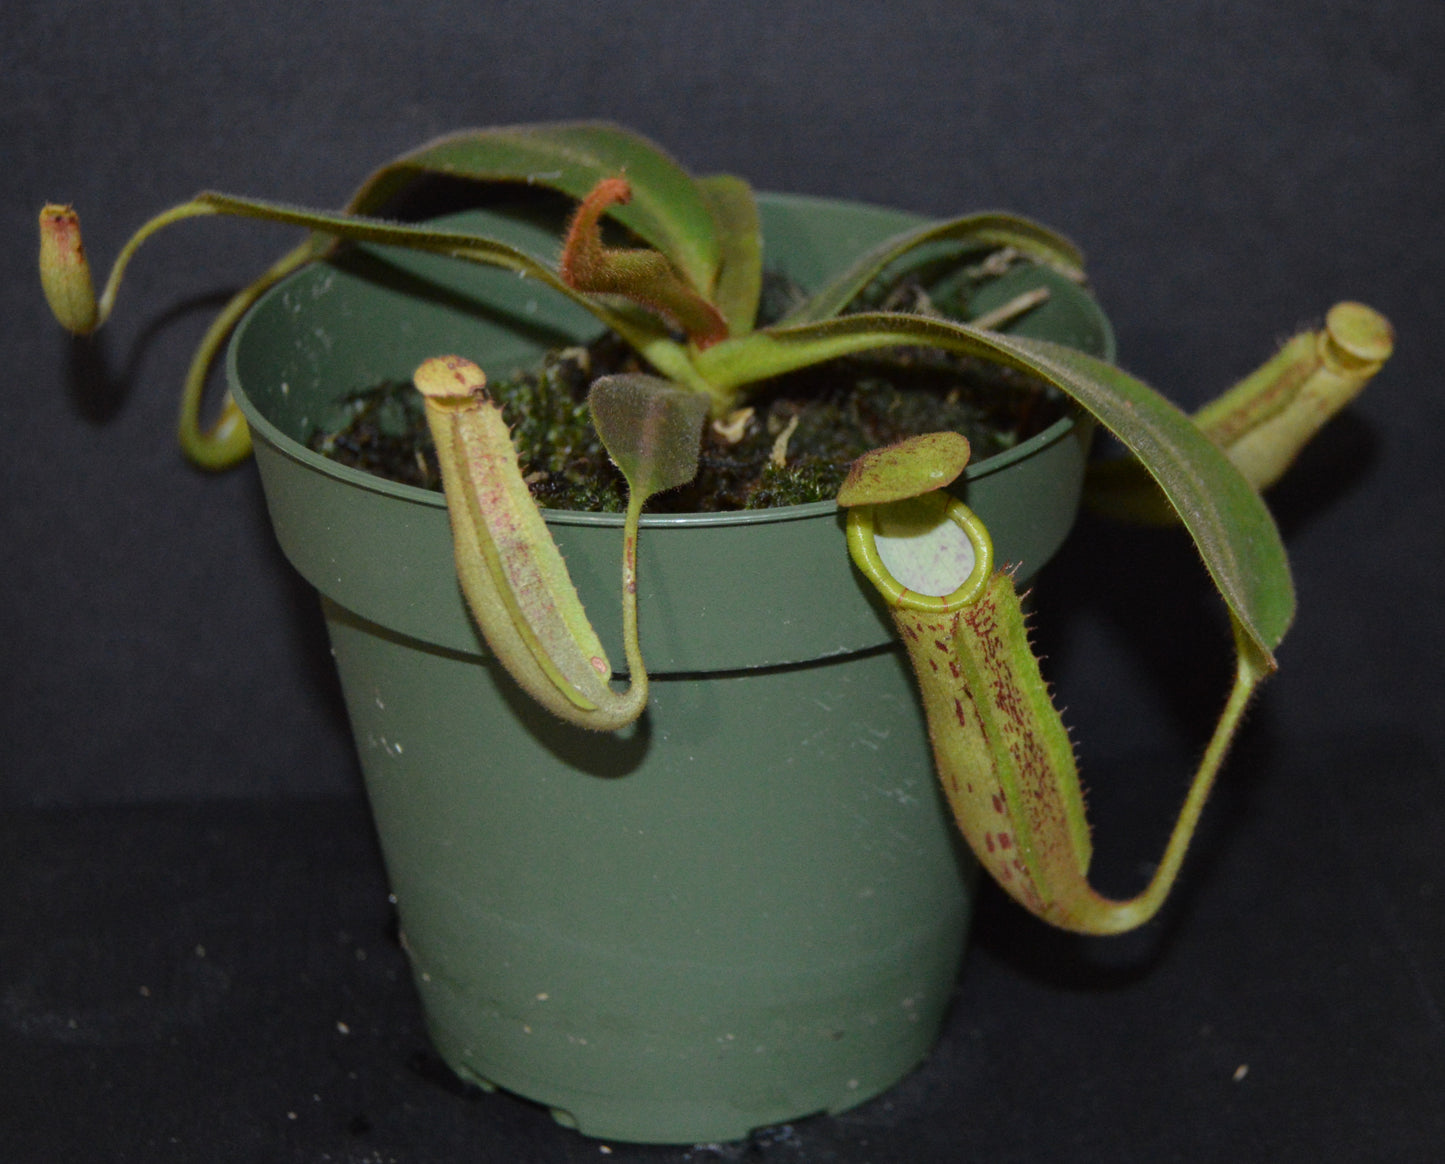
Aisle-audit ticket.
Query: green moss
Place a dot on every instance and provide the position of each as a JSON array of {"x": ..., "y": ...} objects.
[{"x": 842, "y": 409}]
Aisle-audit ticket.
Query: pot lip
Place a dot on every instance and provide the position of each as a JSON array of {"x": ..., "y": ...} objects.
[{"x": 343, "y": 474}]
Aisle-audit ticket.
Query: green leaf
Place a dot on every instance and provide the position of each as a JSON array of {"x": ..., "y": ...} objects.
[
  {"x": 1227, "y": 519},
  {"x": 644, "y": 333},
  {"x": 652, "y": 429},
  {"x": 668, "y": 211},
  {"x": 1224, "y": 513},
  {"x": 975, "y": 231},
  {"x": 358, "y": 228},
  {"x": 740, "y": 281}
]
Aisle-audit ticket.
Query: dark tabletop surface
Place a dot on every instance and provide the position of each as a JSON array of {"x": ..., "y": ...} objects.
[{"x": 221, "y": 982}]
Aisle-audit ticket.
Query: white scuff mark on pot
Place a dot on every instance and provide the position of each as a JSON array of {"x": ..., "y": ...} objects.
[
  {"x": 901, "y": 837},
  {"x": 390, "y": 747},
  {"x": 897, "y": 795},
  {"x": 285, "y": 389},
  {"x": 543, "y": 176},
  {"x": 808, "y": 740},
  {"x": 530, "y": 307}
]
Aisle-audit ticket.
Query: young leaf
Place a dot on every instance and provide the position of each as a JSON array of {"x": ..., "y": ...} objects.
[
  {"x": 740, "y": 279},
  {"x": 641, "y": 275},
  {"x": 646, "y": 335},
  {"x": 652, "y": 429},
  {"x": 667, "y": 209}
]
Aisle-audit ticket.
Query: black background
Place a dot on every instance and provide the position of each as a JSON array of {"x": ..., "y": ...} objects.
[{"x": 176, "y": 770}]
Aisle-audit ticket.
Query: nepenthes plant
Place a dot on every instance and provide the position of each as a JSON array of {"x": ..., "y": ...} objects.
[{"x": 672, "y": 263}]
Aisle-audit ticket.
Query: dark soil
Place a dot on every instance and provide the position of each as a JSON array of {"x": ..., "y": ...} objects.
[{"x": 842, "y": 409}]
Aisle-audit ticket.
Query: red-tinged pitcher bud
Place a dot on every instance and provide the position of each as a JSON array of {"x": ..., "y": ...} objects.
[{"x": 64, "y": 270}]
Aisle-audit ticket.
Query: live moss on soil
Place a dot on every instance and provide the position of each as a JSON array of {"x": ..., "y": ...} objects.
[{"x": 842, "y": 409}]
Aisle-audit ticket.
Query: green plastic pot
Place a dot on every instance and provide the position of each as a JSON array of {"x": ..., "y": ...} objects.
[{"x": 752, "y": 906}]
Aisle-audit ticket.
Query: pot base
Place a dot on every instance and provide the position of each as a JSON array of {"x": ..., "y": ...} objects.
[
  {"x": 804, "y": 1073},
  {"x": 674, "y": 943}
]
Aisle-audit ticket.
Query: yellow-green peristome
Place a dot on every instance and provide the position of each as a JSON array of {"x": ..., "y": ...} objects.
[{"x": 928, "y": 553}]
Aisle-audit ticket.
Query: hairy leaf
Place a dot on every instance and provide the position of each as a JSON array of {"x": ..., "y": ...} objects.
[
  {"x": 652, "y": 429},
  {"x": 1226, "y": 517},
  {"x": 740, "y": 279},
  {"x": 667, "y": 210},
  {"x": 640, "y": 274},
  {"x": 645, "y": 334}
]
